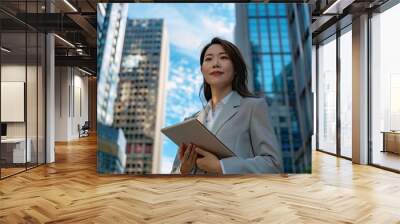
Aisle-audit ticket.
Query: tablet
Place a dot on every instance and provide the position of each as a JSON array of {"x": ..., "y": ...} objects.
[{"x": 192, "y": 131}]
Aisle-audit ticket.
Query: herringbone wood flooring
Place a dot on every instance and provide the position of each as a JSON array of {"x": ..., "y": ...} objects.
[{"x": 70, "y": 191}]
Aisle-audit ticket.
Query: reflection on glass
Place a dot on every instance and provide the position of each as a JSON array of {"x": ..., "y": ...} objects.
[
  {"x": 277, "y": 74},
  {"x": 23, "y": 85},
  {"x": 327, "y": 97},
  {"x": 345, "y": 94},
  {"x": 252, "y": 10},
  {"x": 385, "y": 84},
  {"x": 13, "y": 86},
  {"x": 394, "y": 102},
  {"x": 261, "y": 10}
]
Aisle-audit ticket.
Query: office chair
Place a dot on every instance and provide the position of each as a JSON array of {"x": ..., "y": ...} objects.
[{"x": 84, "y": 130}]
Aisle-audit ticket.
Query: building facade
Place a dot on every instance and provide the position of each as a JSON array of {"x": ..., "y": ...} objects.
[
  {"x": 111, "y": 145},
  {"x": 275, "y": 40},
  {"x": 111, "y": 23},
  {"x": 139, "y": 109},
  {"x": 111, "y": 142}
]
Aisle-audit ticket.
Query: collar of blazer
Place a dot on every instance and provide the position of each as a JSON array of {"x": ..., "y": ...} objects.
[{"x": 228, "y": 111}]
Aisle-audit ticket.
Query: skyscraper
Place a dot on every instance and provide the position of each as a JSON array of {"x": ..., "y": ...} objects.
[
  {"x": 276, "y": 42},
  {"x": 111, "y": 143},
  {"x": 139, "y": 109},
  {"x": 111, "y": 22}
]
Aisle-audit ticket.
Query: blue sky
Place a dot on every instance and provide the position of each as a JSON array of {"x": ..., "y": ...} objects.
[{"x": 189, "y": 28}]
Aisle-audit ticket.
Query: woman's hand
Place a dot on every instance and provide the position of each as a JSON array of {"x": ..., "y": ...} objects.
[
  {"x": 209, "y": 162},
  {"x": 187, "y": 156}
]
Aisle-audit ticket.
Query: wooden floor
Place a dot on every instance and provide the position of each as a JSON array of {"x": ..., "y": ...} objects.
[
  {"x": 70, "y": 191},
  {"x": 10, "y": 171}
]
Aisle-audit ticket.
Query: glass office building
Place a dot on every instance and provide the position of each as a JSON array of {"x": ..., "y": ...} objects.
[
  {"x": 139, "y": 108},
  {"x": 111, "y": 156},
  {"x": 277, "y": 47},
  {"x": 111, "y": 23}
]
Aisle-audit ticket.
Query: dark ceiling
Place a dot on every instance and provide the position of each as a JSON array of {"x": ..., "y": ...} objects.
[
  {"x": 328, "y": 16},
  {"x": 76, "y": 23}
]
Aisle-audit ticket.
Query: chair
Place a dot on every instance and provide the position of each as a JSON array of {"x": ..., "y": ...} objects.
[{"x": 84, "y": 130}]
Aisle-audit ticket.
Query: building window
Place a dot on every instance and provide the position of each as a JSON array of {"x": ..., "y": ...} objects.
[
  {"x": 346, "y": 94},
  {"x": 327, "y": 95},
  {"x": 385, "y": 88}
]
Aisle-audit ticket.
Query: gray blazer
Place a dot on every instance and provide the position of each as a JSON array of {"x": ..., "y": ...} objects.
[{"x": 245, "y": 127}]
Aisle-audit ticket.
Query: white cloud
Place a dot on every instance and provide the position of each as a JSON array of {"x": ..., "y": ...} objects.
[
  {"x": 219, "y": 6},
  {"x": 190, "y": 26},
  {"x": 228, "y": 6},
  {"x": 171, "y": 85},
  {"x": 183, "y": 90},
  {"x": 166, "y": 164},
  {"x": 217, "y": 27}
]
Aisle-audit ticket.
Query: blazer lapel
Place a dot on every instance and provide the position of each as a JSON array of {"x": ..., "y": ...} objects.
[
  {"x": 202, "y": 115},
  {"x": 227, "y": 112}
]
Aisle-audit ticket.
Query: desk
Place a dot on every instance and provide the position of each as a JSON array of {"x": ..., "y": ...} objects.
[
  {"x": 391, "y": 141},
  {"x": 13, "y": 150}
]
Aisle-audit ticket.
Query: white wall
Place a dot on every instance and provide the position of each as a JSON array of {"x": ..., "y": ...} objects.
[
  {"x": 80, "y": 94},
  {"x": 61, "y": 103},
  {"x": 16, "y": 73},
  {"x": 33, "y": 126},
  {"x": 71, "y": 94}
]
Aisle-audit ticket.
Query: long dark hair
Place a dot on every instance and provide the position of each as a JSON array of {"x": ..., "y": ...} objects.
[{"x": 239, "y": 83}]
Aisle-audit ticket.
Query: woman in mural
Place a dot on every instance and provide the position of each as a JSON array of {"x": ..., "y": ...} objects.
[{"x": 234, "y": 115}]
